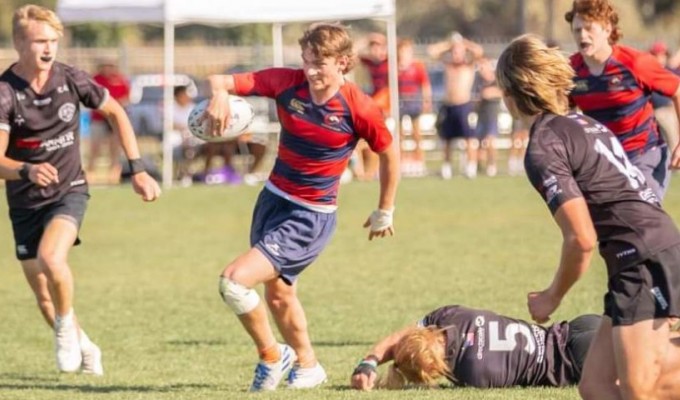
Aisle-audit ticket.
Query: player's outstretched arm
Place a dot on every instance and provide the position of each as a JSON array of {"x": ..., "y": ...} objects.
[
  {"x": 675, "y": 156},
  {"x": 578, "y": 243},
  {"x": 142, "y": 183},
  {"x": 43, "y": 174},
  {"x": 365, "y": 374},
  {"x": 381, "y": 221},
  {"x": 217, "y": 113}
]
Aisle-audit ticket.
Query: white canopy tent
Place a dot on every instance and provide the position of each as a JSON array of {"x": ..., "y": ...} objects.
[{"x": 278, "y": 12}]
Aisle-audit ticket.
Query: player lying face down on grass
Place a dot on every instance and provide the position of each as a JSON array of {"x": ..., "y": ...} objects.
[
  {"x": 322, "y": 117},
  {"x": 596, "y": 194},
  {"x": 479, "y": 348}
]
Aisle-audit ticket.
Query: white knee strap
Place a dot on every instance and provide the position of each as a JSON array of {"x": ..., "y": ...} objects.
[{"x": 238, "y": 297}]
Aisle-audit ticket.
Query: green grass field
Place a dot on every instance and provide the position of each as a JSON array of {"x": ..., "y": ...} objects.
[{"x": 146, "y": 287}]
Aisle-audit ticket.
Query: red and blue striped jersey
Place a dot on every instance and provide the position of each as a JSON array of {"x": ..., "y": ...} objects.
[
  {"x": 620, "y": 96},
  {"x": 412, "y": 79},
  {"x": 316, "y": 140}
]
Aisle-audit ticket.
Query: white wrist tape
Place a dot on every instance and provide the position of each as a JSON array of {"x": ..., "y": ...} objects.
[{"x": 381, "y": 219}]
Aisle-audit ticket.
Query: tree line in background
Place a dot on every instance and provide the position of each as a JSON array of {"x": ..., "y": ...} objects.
[{"x": 423, "y": 19}]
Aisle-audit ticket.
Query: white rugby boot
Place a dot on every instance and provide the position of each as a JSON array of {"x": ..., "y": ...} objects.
[
  {"x": 92, "y": 356},
  {"x": 67, "y": 343},
  {"x": 306, "y": 378},
  {"x": 268, "y": 375}
]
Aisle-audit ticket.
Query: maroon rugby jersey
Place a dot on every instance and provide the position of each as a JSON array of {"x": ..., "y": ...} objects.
[
  {"x": 575, "y": 156},
  {"x": 44, "y": 127},
  {"x": 487, "y": 350}
]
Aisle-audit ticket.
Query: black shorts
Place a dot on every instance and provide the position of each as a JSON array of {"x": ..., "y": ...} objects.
[
  {"x": 453, "y": 121},
  {"x": 29, "y": 224},
  {"x": 582, "y": 330},
  {"x": 645, "y": 291}
]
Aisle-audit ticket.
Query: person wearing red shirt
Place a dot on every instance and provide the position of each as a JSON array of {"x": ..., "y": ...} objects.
[
  {"x": 101, "y": 133},
  {"x": 322, "y": 117},
  {"x": 614, "y": 84}
]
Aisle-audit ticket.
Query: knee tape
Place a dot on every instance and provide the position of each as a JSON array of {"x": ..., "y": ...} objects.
[{"x": 238, "y": 297}]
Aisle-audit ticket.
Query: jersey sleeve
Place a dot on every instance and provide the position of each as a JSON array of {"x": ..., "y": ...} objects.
[
  {"x": 654, "y": 76},
  {"x": 267, "y": 82},
  {"x": 369, "y": 123},
  {"x": 549, "y": 168},
  {"x": 90, "y": 93},
  {"x": 439, "y": 317},
  {"x": 6, "y": 105},
  {"x": 423, "y": 78}
]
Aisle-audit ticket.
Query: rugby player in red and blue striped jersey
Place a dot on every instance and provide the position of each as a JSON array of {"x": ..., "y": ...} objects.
[
  {"x": 322, "y": 117},
  {"x": 614, "y": 84}
]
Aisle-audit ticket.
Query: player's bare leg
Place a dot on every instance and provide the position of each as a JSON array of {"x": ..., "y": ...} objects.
[
  {"x": 90, "y": 352},
  {"x": 598, "y": 380},
  {"x": 57, "y": 240},
  {"x": 446, "y": 164},
  {"x": 236, "y": 288},
  {"x": 641, "y": 351}
]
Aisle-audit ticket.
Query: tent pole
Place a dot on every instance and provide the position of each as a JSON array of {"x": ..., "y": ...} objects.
[
  {"x": 168, "y": 100},
  {"x": 277, "y": 41},
  {"x": 393, "y": 77}
]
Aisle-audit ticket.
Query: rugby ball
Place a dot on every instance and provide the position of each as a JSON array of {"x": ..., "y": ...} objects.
[{"x": 241, "y": 117}]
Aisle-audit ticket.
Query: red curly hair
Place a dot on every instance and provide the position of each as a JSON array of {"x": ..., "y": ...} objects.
[{"x": 596, "y": 11}]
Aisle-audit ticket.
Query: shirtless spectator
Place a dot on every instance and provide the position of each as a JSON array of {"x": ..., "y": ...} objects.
[{"x": 458, "y": 56}]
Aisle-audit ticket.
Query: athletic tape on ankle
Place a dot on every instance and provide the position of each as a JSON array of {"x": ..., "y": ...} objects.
[{"x": 238, "y": 297}]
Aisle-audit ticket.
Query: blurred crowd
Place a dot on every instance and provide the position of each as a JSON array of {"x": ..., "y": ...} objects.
[{"x": 449, "y": 104}]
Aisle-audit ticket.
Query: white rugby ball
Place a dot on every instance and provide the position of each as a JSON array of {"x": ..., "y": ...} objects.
[{"x": 242, "y": 115}]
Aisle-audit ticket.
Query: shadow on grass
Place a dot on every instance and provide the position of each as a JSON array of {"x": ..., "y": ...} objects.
[
  {"x": 197, "y": 342},
  {"x": 106, "y": 389},
  {"x": 342, "y": 343}
]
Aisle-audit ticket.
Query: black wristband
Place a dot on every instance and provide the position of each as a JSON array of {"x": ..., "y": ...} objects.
[
  {"x": 24, "y": 171},
  {"x": 367, "y": 366},
  {"x": 136, "y": 166}
]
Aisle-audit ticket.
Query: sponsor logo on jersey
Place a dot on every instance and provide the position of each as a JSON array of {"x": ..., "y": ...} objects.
[
  {"x": 581, "y": 85},
  {"x": 66, "y": 112},
  {"x": 42, "y": 102},
  {"x": 626, "y": 253},
  {"x": 481, "y": 336},
  {"x": 62, "y": 89},
  {"x": 60, "y": 142},
  {"x": 297, "y": 106},
  {"x": 539, "y": 336},
  {"x": 21, "y": 96},
  {"x": 78, "y": 182}
]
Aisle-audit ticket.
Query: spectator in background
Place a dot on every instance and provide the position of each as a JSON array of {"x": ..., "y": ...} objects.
[
  {"x": 415, "y": 97},
  {"x": 101, "y": 133},
  {"x": 373, "y": 57},
  {"x": 664, "y": 111},
  {"x": 487, "y": 113},
  {"x": 519, "y": 138},
  {"x": 613, "y": 85},
  {"x": 459, "y": 56},
  {"x": 187, "y": 145}
]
